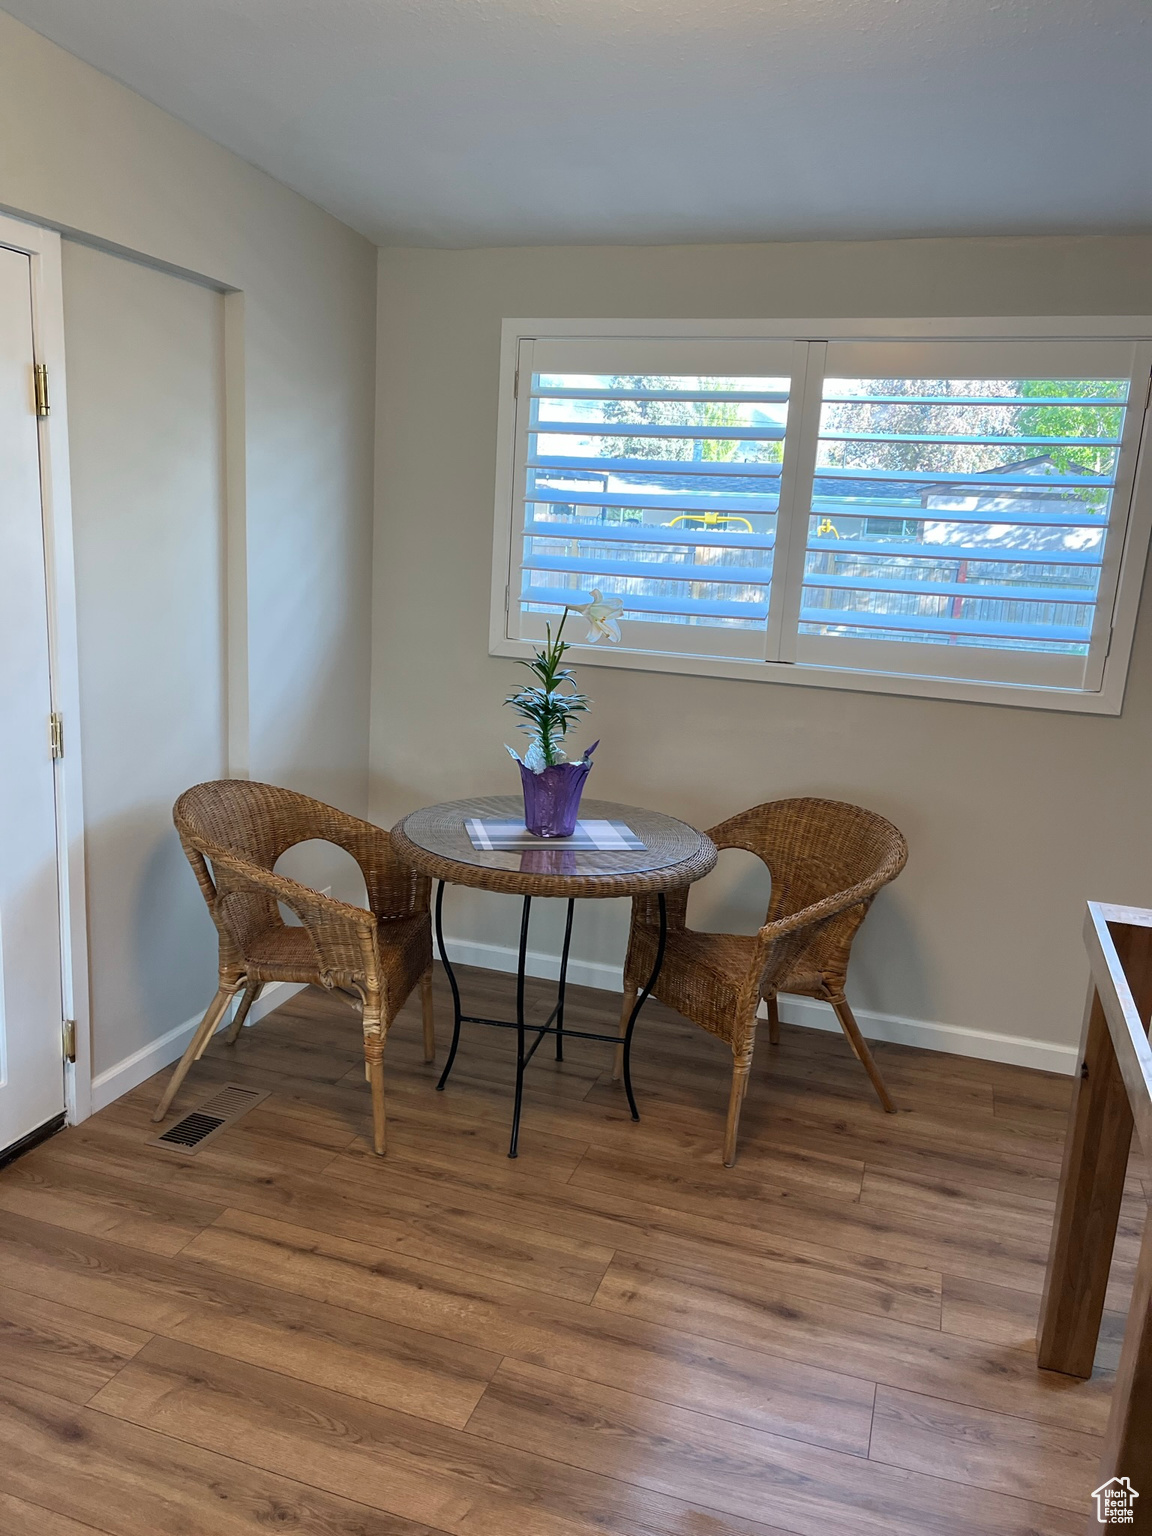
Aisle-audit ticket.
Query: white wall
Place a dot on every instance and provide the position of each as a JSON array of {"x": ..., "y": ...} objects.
[
  {"x": 145, "y": 353},
  {"x": 85, "y": 155},
  {"x": 1014, "y": 816}
]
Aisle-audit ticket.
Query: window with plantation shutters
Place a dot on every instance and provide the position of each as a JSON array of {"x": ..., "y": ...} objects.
[{"x": 945, "y": 515}]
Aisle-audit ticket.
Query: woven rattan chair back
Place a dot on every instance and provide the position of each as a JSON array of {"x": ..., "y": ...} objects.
[
  {"x": 237, "y": 823},
  {"x": 815, "y": 849},
  {"x": 234, "y": 832},
  {"x": 827, "y": 860}
]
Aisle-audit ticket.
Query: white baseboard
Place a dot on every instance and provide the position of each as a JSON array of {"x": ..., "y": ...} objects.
[
  {"x": 137, "y": 1068},
  {"x": 502, "y": 957},
  {"x": 953, "y": 1039}
]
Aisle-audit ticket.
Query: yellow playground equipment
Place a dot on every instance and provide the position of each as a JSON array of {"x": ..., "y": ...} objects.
[{"x": 710, "y": 520}]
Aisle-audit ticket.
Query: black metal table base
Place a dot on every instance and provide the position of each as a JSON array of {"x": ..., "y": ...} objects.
[{"x": 554, "y": 1023}]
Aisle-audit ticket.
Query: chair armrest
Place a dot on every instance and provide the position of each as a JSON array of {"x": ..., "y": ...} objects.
[
  {"x": 779, "y": 943},
  {"x": 343, "y": 935}
]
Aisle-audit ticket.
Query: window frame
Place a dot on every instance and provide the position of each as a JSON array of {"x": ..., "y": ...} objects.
[{"x": 1132, "y": 542}]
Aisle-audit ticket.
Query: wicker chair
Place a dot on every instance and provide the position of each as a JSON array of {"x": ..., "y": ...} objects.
[
  {"x": 827, "y": 861},
  {"x": 233, "y": 832}
]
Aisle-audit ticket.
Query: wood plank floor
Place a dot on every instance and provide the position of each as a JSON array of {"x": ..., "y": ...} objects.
[{"x": 612, "y": 1334}]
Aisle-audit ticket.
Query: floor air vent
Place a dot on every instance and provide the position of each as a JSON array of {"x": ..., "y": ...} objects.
[{"x": 216, "y": 1114}]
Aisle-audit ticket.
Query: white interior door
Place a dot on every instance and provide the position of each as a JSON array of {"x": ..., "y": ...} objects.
[{"x": 31, "y": 1053}]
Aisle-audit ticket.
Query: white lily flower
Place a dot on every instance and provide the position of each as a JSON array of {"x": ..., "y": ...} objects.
[{"x": 601, "y": 615}]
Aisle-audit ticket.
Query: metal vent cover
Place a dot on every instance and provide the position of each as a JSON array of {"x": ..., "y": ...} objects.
[{"x": 216, "y": 1114}]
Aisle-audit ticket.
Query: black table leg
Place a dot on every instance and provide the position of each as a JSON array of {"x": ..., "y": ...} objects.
[
  {"x": 448, "y": 971},
  {"x": 554, "y": 1024},
  {"x": 520, "y": 1060},
  {"x": 640, "y": 1001},
  {"x": 563, "y": 981}
]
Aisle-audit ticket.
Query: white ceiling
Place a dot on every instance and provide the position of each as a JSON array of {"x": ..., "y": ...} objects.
[{"x": 500, "y": 122}]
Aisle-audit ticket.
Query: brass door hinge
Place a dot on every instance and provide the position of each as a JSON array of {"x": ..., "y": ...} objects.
[
  {"x": 69, "y": 1037},
  {"x": 43, "y": 404},
  {"x": 56, "y": 735}
]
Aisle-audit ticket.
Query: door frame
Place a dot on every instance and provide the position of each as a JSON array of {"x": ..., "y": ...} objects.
[{"x": 42, "y": 246}]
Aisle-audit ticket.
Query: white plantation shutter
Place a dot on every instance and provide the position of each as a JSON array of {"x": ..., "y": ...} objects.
[
  {"x": 659, "y": 485},
  {"x": 952, "y": 513},
  {"x": 967, "y": 509}
]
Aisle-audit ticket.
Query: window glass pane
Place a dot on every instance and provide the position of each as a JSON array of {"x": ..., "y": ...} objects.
[
  {"x": 659, "y": 489},
  {"x": 962, "y": 511}
]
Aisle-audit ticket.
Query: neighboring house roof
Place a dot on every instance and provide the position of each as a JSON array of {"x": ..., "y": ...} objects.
[{"x": 1036, "y": 467}]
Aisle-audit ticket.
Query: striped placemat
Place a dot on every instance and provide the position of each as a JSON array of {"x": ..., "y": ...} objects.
[{"x": 511, "y": 836}]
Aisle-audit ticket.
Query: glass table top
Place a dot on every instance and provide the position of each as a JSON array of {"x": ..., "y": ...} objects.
[{"x": 439, "y": 833}]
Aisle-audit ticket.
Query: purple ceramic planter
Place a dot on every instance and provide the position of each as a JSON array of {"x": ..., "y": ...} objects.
[{"x": 552, "y": 798}]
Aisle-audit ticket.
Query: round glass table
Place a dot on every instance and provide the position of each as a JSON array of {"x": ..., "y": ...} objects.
[{"x": 618, "y": 850}]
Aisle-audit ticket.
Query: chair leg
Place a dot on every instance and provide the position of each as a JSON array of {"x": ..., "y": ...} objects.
[
  {"x": 858, "y": 1043},
  {"x": 625, "y": 1014},
  {"x": 740, "y": 1075},
  {"x": 374, "y": 1071},
  {"x": 429, "y": 1019},
  {"x": 251, "y": 993},
  {"x": 773, "y": 1021},
  {"x": 196, "y": 1047}
]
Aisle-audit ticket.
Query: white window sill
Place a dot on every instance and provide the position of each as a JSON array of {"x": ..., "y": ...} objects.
[{"x": 1107, "y": 701}]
